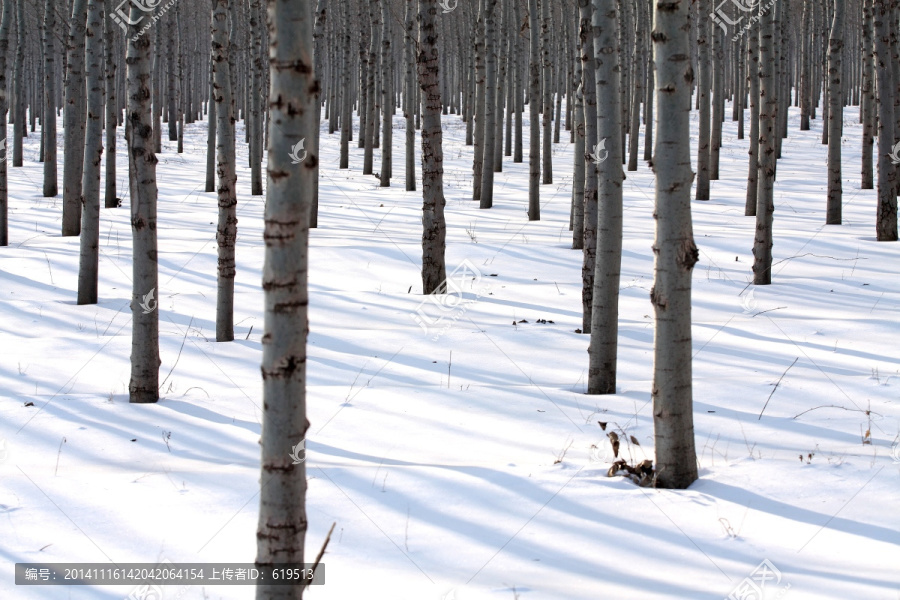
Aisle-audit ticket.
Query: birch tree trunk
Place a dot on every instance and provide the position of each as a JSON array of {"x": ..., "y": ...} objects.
[
  {"x": 93, "y": 153},
  {"x": 48, "y": 122},
  {"x": 867, "y": 101},
  {"x": 479, "y": 112},
  {"x": 547, "y": 167},
  {"x": 19, "y": 76},
  {"x": 144, "y": 384},
  {"x": 753, "y": 77},
  {"x": 703, "y": 98},
  {"x": 835, "y": 115},
  {"x": 226, "y": 232},
  {"x": 674, "y": 250},
  {"x": 409, "y": 96},
  {"x": 579, "y": 155},
  {"x": 592, "y": 152},
  {"x": 534, "y": 106},
  {"x": 110, "y": 199},
  {"x": 434, "y": 228},
  {"x": 73, "y": 122},
  {"x": 5, "y": 25},
  {"x": 256, "y": 116},
  {"x": 886, "y": 211},
  {"x": 490, "y": 104},
  {"x": 603, "y": 349},
  {"x": 371, "y": 100},
  {"x": 347, "y": 96},
  {"x": 768, "y": 101},
  {"x": 281, "y": 532},
  {"x": 387, "y": 97},
  {"x": 212, "y": 120}
]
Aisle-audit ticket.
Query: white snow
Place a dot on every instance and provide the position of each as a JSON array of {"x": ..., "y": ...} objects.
[{"x": 443, "y": 478}]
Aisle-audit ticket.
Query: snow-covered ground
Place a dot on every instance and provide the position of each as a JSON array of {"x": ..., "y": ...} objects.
[{"x": 464, "y": 462}]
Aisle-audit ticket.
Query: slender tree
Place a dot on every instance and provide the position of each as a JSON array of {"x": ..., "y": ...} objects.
[
  {"x": 48, "y": 122},
  {"x": 703, "y": 87},
  {"x": 19, "y": 80},
  {"x": 144, "y": 384},
  {"x": 281, "y": 532},
  {"x": 226, "y": 232},
  {"x": 490, "y": 102},
  {"x": 534, "y": 105},
  {"x": 768, "y": 108},
  {"x": 434, "y": 229},
  {"x": 886, "y": 211},
  {"x": 73, "y": 121},
  {"x": 93, "y": 153},
  {"x": 112, "y": 112},
  {"x": 674, "y": 250},
  {"x": 835, "y": 115},
  {"x": 5, "y": 25},
  {"x": 603, "y": 349}
]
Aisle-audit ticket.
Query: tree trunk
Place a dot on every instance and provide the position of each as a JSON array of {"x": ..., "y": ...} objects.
[
  {"x": 281, "y": 532},
  {"x": 490, "y": 104},
  {"x": 674, "y": 250},
  {"x": 579, "y": 155},
  {"x": 703, "y": 87},
  {"x": 144, "y": 384},
  {"x": 48, "y": 122},
  {"x": 110, "y": 199},
  {"x": 835, "y": 115},
  {"x": 547, "y": 169},
  {"x": 387, "y": 97},
  {"x": 211, "y": 133},
  {"x": 768, "y": 107},
  {"x": 371, "y": 100},
  {"x": 93, "y": 153},
  {"x": 593, "y": 152},
  {"x": 603, "y": 348},
  {"x": 534, "y": 106},
  {"x": 226, "y": 232},
  {"x": 434, "y": 229},
  {"x": 255, "y": 122},
  {"x": 753, "y": 77},
  {"x": 19, "y": 76},
  {"x": 886, "y": 211},
  {"x": 867, "y": 101},
  {"x": 5, "y": 25},
  {"x": 73, "y": 122},
  {"x": 409, "y": 96}
]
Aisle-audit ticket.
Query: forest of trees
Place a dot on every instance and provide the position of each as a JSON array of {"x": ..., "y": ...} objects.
[{"x": 591, "y": 73}]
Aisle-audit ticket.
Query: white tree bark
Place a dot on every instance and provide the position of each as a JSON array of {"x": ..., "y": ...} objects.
[
  {"x": 674, "y": 250},
  {"x": 73, "y": 122},
  {"x": 603, "y": 348},
  {"x": 93, "y": 153},
  {"x": 434, "y": 228},
  {"x": 226, "y": 232},
  {"x": 835, "y": 115},
  {"x": 282, "y": 524},
  {"x": 144, "y": 384},
  {"x": 48, "y": 122}
]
